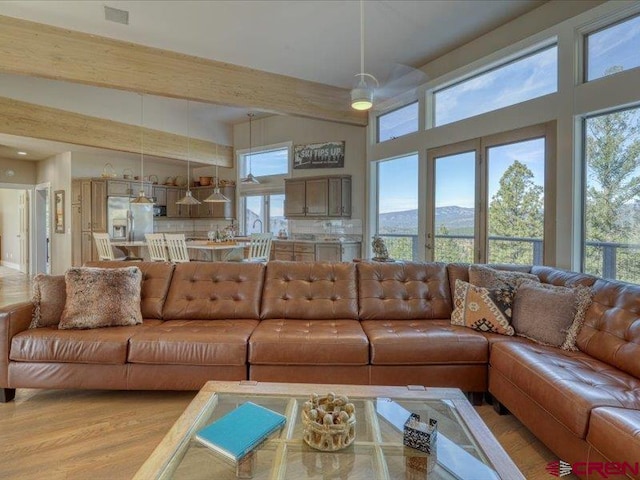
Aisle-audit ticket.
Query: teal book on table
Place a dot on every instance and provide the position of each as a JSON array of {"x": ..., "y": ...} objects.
[{"x": 241, "y": 430}]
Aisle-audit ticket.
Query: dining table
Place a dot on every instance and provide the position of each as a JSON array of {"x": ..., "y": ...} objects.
[{"x": 200, "y": 250}]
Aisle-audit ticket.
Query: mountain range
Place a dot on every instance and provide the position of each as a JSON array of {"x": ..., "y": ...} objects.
[{"x": 454, "y": 218}]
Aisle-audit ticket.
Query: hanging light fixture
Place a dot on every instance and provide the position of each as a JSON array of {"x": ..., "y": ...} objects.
[
  {"x": 142, "y": 199},
  {"x": 216, "y": 196},
  {"x": 249, "y": 179},
  {"x": 188, "y": 199},
  {"x": 362, "y": 94}
]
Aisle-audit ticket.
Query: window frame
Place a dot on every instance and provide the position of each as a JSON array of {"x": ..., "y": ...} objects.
[
  {"x": 503, "y": 61},
  {"x": 241, "y": 154},
  {"x": 595, "y": 27},
  {"x": 481, "y": 145},
  {"x": 395, "y": 109}
]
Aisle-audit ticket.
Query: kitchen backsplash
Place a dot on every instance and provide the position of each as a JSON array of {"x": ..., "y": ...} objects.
[
  {"x": 171, "y": 225},
  {"x": 337, "y": 227}
]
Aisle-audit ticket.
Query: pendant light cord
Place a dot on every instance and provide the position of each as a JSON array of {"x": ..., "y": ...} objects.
[
  {"x": 141, "y": 141},
  {"x": 250, "y": 154},
  {"x": 361, "y": 36},
  {"x": 188, "y": 151}
]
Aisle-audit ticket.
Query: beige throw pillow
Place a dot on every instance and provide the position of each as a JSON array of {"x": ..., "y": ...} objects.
[
  {"x": 48, "y": 299},
  {"x": 483, "y": 309},
  {"x": 488, "y": 277},
  {"x": 102, "y": 297},
  {"x": 550, "y": 315}
]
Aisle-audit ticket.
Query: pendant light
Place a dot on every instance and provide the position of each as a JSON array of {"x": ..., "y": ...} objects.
[
  {"x": 249, "y": 179},
  {"x": 188, "y": 199},
  {"x": 362, "y": 94},
  {"x": 216, "y": 196},
  {"x": 142, "y": 199}
]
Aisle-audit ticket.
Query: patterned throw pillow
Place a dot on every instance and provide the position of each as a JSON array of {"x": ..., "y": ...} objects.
[
  {"x": 483, "y": 309},
  {"x": 487, "y": 277},
  {"x": 549, "y": 314},
  {"x": 48, "y": 300},
  {"x": 102, "y": 297}
]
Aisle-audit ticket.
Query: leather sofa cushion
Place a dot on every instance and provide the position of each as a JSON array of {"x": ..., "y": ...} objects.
[
  {"x": 615, "y": 433},
  {"x": 568, "y": 385},
  {"x": 100, "y": 345},
  {"x": 403, "y": 291},
  {"x": 193, "y": 342},
  {"x": 309, "y": 342},
  {"x": 611, "y": 329},
  {"x": 215, "y": 291},
  {"x": 310, "y": 291},
  {"x": 424, "y": 342},
  {"x": 562, "y": 278},
  {"x": 156, "y": 277}
]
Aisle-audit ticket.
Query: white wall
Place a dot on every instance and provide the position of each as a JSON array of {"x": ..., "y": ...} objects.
[
  {"x": 57, "y": 171},
  {"x": 10, "y": 227},
  {"x": 300, "y": 131},
  {"x": 24, "y": 171}
]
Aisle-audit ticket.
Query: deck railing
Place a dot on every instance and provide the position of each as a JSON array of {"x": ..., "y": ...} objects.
[{"x": 613, "y": 260}]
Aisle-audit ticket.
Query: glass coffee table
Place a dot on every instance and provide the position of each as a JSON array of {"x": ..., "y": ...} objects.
[{"x": 466, "y": 449}]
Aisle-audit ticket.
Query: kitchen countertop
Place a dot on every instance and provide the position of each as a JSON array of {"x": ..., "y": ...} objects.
[{"x": 318, "y": 240}]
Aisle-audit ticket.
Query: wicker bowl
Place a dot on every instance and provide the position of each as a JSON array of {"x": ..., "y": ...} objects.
[{"x": 329, "y": 422}]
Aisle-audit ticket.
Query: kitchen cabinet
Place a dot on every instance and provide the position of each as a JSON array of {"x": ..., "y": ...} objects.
[
  {"x": 340, "y": 197},
  {"x": 99, "y": 206},
  {"x": 174, "y": 210},
  {"x": 76, "y": 191},
  {"x": 85, "y": 205},
  {"x": 324, "y": 197},
  {"x": 88, "y": 247},
  {"x": 337, "y": 252},
  {"x": 222, "y": 210},
  {"x": 282, "y": 251},
  {"x": 119, "y": 188},
  {"x": 76, "y": 232},
  {"x": 160, "y": 194}
]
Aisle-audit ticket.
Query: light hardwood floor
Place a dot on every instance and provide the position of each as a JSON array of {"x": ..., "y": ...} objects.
[{"x": 96, "y": 435}]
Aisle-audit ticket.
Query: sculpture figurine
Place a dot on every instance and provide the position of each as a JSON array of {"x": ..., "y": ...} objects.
[
  {"x": 380, "y": 252},
  {"x": 329, "y": 422}
]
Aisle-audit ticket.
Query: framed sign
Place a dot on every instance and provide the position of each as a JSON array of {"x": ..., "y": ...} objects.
[
  {"x": 319, "y": 155},
  {"x": 58, "y": 211}
]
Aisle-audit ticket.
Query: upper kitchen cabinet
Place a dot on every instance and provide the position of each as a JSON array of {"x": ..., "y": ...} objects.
[{"x": 326, "y": 197}]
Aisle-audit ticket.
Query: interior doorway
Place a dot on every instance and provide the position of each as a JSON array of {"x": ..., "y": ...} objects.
[
  {"x": 15, "y": 217},
  {"x": 42, "y": 229}
]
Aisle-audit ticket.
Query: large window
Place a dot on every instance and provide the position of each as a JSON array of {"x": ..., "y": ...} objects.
[
  {"x": 397, "y": 123},
  {"x": 265, "y": 162},
  {"x": 612, "y": 49},
  {"x": 612, "y": 195},
  {"x": 523, "y": 79},
  {"x": 397, "y": 214},
  {"x": 263, "y": 213},
  {"x": 488, "y": 199}
]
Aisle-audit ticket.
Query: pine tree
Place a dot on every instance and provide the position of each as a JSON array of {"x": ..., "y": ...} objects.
[{"x": 516, "y": 210}]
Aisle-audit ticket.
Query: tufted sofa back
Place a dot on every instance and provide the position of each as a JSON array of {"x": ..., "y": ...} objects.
[
  {"x": 611, "y": 331},
  {"x": 214, "y": 291},
  {"x": 403, "y": 291},
  {"x": 563, "y": 278},
  {"x": 310, "y": 291},
  {"x": 156, "y": 278}
]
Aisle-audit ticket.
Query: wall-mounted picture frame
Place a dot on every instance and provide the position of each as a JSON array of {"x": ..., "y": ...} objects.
[
  {"x": 319, "y": 155},
  {"x": 58, "y": 211}
]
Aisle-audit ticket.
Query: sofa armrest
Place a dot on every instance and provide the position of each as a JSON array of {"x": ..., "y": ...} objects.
[{"x": 13, "y": 320}]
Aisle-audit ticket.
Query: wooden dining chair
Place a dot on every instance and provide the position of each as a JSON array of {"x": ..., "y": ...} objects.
[
  {"x": 177, "y": 247},
  {"x": 105, "y": 250},
  {"x": 259, "y": 247},
  {"x": 157, "y": 248}
]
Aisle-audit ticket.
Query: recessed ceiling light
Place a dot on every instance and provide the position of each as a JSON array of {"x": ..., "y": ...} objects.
[{"x": 22, "y": 153}]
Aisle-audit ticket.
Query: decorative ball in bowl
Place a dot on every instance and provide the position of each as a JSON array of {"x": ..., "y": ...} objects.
[{"x": 329, "y": 422}]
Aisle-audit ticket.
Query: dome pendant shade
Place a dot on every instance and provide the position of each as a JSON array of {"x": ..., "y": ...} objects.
[
  {"x": 217, "y": 197},
  {"x": 249, "y": 179},
  {"x": 142, "y": 199},
  {"x": 188, "y": 200}
]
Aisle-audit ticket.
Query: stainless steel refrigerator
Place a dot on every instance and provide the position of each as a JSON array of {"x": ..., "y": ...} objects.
[{"x": 128, "y": 221}]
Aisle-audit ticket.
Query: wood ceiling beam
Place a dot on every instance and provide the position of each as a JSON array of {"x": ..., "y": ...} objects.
[
  {"x": 31, "y": 120},
  {"x": 35, "y": 49}
]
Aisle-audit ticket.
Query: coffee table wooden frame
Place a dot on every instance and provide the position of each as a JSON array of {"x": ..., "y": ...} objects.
[{"x": 168, "y": 454}]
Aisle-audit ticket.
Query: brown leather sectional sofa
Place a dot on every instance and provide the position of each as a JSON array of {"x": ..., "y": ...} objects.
[{"x": 366, "y": 323}]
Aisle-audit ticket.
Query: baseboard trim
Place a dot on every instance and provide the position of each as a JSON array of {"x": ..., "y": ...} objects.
[{"x": 11, "y": 265}]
